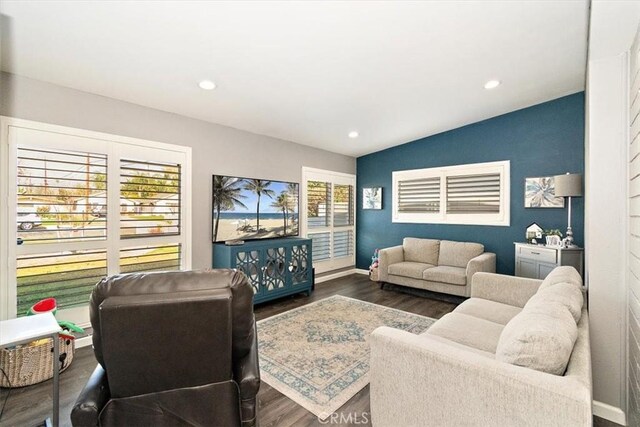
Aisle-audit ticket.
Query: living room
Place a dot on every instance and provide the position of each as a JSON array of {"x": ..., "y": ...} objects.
[{"x": 429, "y": 209}]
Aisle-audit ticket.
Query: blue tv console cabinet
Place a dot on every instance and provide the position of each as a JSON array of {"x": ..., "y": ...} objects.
[{"x": 275, "y": 267}]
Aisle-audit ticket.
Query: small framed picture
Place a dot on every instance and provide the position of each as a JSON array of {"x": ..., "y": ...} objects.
[
  {"x": 372, "y": 198},
  {"x": 540, "y": 192}
]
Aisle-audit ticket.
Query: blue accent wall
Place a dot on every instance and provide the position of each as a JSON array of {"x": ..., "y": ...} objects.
[{"x": 543, "y": 140}]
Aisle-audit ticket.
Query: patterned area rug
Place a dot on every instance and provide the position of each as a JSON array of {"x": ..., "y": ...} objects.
[{"x": 318, "y": 354}]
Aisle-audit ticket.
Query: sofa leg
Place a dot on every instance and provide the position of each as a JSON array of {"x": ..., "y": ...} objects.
[{"x": 381, "y": 285}]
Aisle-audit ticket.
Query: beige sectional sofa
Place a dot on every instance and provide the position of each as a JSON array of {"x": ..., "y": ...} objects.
[
  {"x": 436, "y": 265},
  {"x": 515, "y": 354}
]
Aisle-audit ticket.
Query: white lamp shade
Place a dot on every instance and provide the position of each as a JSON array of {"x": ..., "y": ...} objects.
[{"x": 569, "y": 185}]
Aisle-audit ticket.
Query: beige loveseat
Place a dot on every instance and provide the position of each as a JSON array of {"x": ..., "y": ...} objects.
[
  {"x": 515, "y": 354},
  {"x": 436, "y": 265}
]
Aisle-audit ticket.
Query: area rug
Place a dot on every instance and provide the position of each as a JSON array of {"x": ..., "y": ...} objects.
[{"x": 318, "y": 354}]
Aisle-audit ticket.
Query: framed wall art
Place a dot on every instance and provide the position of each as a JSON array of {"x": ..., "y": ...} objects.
[
  {"x": 539, "y": 192},
  {"x": 372, "y": 198}
]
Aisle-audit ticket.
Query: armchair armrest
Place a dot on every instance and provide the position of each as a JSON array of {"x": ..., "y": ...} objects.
[
  {"x": 510, "y": 290},
  {"x": 386, "y": 257},
  {"x": 92, "y": 399},
  {"x": 246, "y": 372},
  {"x": 485, "y": 262},
  {"x": 417, "y": 378}
]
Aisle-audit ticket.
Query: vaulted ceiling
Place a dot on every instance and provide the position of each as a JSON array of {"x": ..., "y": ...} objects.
[{"x": 308, "y": 72}]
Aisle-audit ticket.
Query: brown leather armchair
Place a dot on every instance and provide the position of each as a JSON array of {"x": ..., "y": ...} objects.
[{"x": 174, "y": 348}]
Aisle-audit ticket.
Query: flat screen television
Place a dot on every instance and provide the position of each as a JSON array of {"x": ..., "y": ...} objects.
[{"x": 249, "y": 209}]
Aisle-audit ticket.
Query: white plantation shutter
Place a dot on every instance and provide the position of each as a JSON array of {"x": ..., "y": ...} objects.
[
  {"x": 464, "y": 194},
  {"x": 88, "y": 205},
  {"x": 473, "y": 194},
  {"x": 419, "y": 195},
  {"x": 149, "y": 191},
  {"x": 329, "y": 218}
]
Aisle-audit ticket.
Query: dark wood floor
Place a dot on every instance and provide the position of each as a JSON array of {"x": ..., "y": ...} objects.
[{"x": 28, "y": 406}]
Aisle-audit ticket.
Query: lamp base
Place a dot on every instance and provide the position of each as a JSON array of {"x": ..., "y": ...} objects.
[{"x": 568, "y": 241}]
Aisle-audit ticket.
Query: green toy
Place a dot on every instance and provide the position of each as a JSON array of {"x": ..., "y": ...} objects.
[{"x": 49, "y": 305}]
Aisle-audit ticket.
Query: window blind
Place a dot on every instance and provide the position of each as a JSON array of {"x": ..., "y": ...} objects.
[
  {"x": 321, "y": 243},
  {"x": 342, "y": 243},
  {"x": 318, "y": 204},
  {"x": 60, "y": 196},
  {"x": 149, "y": 199},
  {"x": 473, "y": 194},
  {"x": 343, "y": 205},
  {"x": 419, "y": 195},
  {"x": 67, "y": 276},
  {"x": 150, "y": 258}
]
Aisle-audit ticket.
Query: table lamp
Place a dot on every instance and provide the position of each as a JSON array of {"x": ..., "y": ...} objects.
[{"x": 569, "y": 185}]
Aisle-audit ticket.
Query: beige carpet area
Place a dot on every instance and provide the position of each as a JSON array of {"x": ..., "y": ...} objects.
[{"x": 318, "y": 354}]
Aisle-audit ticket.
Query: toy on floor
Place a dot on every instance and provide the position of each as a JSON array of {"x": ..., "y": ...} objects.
[{"x": 374, "y": 260}]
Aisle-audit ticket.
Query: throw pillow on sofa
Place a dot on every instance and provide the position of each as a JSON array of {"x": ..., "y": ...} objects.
[
  {"x": 563, "y": 274},
  {"x": 540, "y": 337},
  {"x": 567, "y": 294}
]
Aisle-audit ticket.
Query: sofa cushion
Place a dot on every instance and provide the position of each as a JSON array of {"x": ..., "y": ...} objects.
[
  {"x": 563, "y": 274},
  {"x": 446, "y": 274},
  {"x": 458, "y": 345},
  {"x": 488, "y": 310},
  {"x": 541, "y": 337},
  {"x": 458, "y": 254},
  {"x": 468, "y": 330},
  {"x": 421, "y": 250},
  {"x": 409, "y": 269},
  {"x": 567, "y": 294}
]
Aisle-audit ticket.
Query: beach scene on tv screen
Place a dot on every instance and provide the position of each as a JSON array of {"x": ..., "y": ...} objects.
[{"x": 245, "y": 209}]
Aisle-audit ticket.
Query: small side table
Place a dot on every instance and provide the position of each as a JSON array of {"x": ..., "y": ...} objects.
[
  {"x": 537, "y": 261},
  {"x": 30, "y": 328}
]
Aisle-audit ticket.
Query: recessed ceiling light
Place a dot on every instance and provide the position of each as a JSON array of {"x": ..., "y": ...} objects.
[
  {"x": 353, "y": 134},
  {"x": 207, "y": 85},
  {"x": 492, "y": 84}
]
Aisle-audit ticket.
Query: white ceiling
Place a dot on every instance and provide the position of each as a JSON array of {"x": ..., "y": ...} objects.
[{"x": 308, "y": 72}]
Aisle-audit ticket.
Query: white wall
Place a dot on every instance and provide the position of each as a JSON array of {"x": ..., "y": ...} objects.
[
  {"x": 216, "y": 149},
  {"x": 612, "y": 28},
  {"x": 605, "y": 228},
  {"x": 633, "y": 275}
]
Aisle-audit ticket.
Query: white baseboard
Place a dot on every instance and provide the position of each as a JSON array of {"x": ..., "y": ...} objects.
[
  {"x": 609, "y": 412},
  {"x": 334, "y": 275},
  {"x": 361, "y": 271},
  {"x": 84, "y": 342}
]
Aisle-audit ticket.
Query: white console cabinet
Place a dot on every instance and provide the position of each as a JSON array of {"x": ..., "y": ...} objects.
[{"x": 536, "y": 261}]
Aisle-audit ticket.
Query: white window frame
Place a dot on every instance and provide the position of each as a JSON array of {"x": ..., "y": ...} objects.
[
  {"x": 116, "y": 147},
  {"x": 335, "y": 178},
  {"x": 502, "y": 218}
]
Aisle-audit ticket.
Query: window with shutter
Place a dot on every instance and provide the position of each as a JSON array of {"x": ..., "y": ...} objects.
[
  {"x": 472, "y": 194},
  {"x": 86, "y": 205},
  {"x": 329, "y": 218},
  {"x": 419, "y": 195}
]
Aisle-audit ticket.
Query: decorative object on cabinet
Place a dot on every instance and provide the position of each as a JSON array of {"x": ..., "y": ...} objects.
[
  {"x": 533, "y": 232},
  {"x": 569, "y": 185},
  {"x": 536, "y": 261},
  {"x": 553, "y": 241},
  {"x": 275, "y": 268},
  {"x": 540, "y": 192},
  {"x": 372, "y": 198}
]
